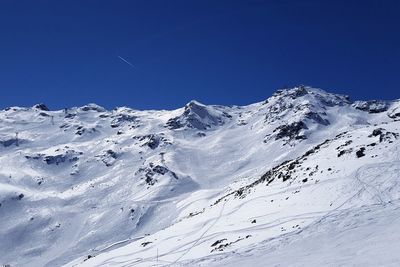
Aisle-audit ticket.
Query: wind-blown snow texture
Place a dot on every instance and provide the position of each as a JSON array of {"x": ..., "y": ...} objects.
[{"x": 305, "y": 178}]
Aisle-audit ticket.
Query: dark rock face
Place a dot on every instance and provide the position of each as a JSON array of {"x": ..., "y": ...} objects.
[
  {"x": 293, "y": 93},
  {"x": 41, "y": 106},
  {"x": 92, "y": 107},
  {"x": 152, "y": 170},
  {"x": 384, "y": 135},
  {"x": 218, "y": 242},
  {"x": 80, "y": 130},
  {"x": 394, "y": 113},
  {"x": 153, "y": 141},
  {"x": 201, "y": 134},
  {"x": 317, "y": 118},
  {"x": 111, "y": 154},
  {"x": 59, "y": 159},
  {"x": 67, "y": 156},
  {"x": 9, "y": 142},
  {"x": 345, "y": 151},
  {"x": 377, "y": 132},
  {"x": 70, "y": 116},
  {"x": 108, "y": 157},
  {"x": 174, "y": 123},
  {"x": 160, "y": 169},
  {"x": 360, "y": 153},
  {"x": 121, "y": 119},
  {"x": 44, "y": 114},
  {"x": 291, "y": 131},
  {"x": 372, "y": 106}
]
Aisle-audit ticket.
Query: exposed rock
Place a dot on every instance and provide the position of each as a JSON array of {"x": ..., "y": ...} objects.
[
  {"x": 347, "y": 143},
  {"x": 394, "y": 111},
  {"x": 10, "y": 142},
  {"x": 384, "y": 136},
  {"x": 41, "y": 106},
  {"x": 371, "y": 106},
  {"x": 198, "y": 116},
  {"x": 301, "y": 106},
  {"x": 377, "y": 132},
  {"x": 152, "y": 170},
  {"x": 67, "y": 156},
  {"x": 121, "y": 119},
  {"x": 360, "y": 153},
  {"x": 345, "y": 151},
  {"x": 317, "y": 118},
  {"x": 108, "y": 157},
  {"x": 291, "y": 131},
  {"x": 174, "y": 123},
  {"x": 152, "y": 140},
  {"x": 146, "y": 243},
  {"x": 201, "y": 134},
  {"x": 80, "y": 130},
  {"x": 70, "y": 115},
  {"x": 218, "y": 242},
  {"x": 92, "y": 107}
]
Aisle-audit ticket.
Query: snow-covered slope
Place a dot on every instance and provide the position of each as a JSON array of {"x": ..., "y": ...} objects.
[{"x": 200, "y": 185}]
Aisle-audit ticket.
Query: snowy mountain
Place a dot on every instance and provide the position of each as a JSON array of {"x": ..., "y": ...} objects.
[{"x": 304, "y": 172}]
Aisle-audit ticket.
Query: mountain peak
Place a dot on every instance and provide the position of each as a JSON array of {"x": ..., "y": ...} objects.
[
  {"x": 198, "y": 116},
  {"x": 193, "y": 103},
  {"x": 302, "y": 92},
  {"x": 92, "y": 107},
  {"x": 41, "y": 106}
]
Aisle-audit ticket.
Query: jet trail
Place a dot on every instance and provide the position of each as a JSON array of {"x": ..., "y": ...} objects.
[{"x": 127, "y": 62}]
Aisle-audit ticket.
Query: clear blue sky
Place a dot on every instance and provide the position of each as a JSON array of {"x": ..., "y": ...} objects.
[{"x": 67, "y": 53}]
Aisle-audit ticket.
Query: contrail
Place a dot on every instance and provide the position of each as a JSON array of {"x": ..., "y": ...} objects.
[{"x": 127, "y": 62}]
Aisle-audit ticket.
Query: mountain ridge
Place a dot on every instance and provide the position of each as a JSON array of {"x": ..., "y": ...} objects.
[{"x": 83, "y": 180}]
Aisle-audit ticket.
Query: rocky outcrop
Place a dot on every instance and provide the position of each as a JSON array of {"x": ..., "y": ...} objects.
[
  {"x": 152, "y": 141},
  {"x": 371, "y": 106},
  {"x": 108, "y": 157},
  {"x": 122, "y": 119},
  {"x": 10, "y": 142},
  {"x": 394, "y": 111},
  {"x": 92, "y": 107},
  {"x": 291, "y": 132},
  {"x": 41, "y": 106},
  {"x": 151, "y": 172},
  {"x": 66, "y": 156}
]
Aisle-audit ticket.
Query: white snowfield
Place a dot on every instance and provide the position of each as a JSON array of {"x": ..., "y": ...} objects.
[{"x": 305, "y": 178}]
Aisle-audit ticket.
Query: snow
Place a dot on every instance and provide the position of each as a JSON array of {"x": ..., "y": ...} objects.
[{"x": 184, "y": 187}]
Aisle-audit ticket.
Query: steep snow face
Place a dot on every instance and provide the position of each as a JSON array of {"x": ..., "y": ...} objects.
[
  {"x": 323, "y": 195},
  {"x": 194, "y": 182}
]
